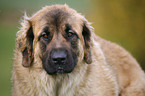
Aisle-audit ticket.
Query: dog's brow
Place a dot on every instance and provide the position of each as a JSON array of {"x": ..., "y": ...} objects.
[
  {"x": 68, "y": 27},
  {"x": 46, "y": 29}
]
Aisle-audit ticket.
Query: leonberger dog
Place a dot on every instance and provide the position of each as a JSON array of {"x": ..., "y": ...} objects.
[{"x": 58, "y": 54}]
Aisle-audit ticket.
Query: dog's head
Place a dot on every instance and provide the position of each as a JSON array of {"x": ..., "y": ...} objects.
[{"x": 58, "y": 36}]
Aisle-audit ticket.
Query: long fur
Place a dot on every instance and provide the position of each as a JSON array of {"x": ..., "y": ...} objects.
[{"x": 107, "y": 75}]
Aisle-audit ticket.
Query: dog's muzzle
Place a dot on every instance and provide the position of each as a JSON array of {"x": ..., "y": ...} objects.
[{"x": 59, "y": 61}]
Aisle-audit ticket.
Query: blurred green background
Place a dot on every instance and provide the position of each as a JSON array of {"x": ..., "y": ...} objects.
[{"x": 120, "y": 21}]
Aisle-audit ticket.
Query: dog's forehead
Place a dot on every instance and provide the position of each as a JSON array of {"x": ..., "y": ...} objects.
[
  {"x": 54, "y": 18},
  {"x": 58, "y": 18}
]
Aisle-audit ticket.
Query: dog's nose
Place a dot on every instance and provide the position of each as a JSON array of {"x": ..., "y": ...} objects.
[{"x": 59, "y": 56}]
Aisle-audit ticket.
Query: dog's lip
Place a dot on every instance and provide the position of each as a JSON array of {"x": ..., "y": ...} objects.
[{"x": 60, "y": 70}]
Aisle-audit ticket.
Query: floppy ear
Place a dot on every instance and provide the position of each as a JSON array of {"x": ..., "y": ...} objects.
[
  {"x": 87, "y": 41},
  {"x": 27, "y": 45}
]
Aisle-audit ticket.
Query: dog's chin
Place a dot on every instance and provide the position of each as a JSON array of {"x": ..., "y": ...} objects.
[{"x": 61, "y": 72}]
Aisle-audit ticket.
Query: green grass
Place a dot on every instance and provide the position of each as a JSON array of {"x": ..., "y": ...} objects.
[{"x": 7, "y": 43}]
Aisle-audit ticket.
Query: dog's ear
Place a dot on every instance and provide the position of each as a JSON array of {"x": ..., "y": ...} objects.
[
  {"x": 27, "y": 45},
  {"x": 86, "y": 32}
]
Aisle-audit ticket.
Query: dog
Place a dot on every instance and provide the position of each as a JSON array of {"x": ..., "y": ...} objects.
[{"x": 58, "y": 54}]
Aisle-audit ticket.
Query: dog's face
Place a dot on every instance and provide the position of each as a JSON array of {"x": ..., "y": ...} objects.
[
  {"x": 58, "y": 43},
  {"x": 58, "y": 33}
]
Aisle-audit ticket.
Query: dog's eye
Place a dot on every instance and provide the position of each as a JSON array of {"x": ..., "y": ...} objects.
[
  {"x": 70, "y": 33},
  {"x": 44, "y": 35}
]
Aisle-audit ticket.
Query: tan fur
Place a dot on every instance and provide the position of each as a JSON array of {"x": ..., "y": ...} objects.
[{"x": 113, "y": 71}]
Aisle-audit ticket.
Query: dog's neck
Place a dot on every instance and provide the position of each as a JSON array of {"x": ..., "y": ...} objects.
[{"x": 60, "y": 84}]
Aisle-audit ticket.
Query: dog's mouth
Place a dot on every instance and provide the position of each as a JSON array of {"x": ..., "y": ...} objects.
[
  {"x": 54, "y": 69},
  {"x": 60, "y": 70}
]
